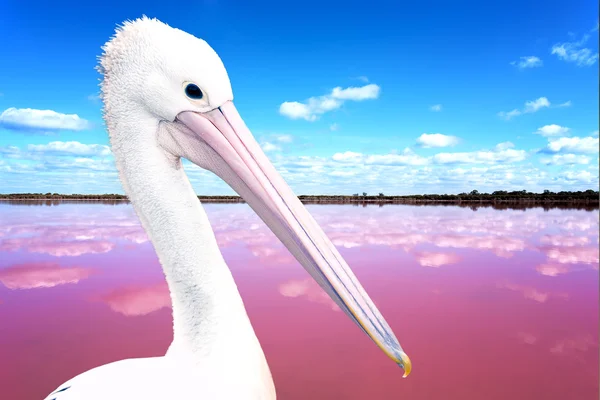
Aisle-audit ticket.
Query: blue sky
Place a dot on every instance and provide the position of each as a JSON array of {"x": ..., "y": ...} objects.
[{"x": 345, "y": 97}]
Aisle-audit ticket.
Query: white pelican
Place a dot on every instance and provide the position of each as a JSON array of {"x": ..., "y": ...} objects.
[{"x": 167, "y": 96}]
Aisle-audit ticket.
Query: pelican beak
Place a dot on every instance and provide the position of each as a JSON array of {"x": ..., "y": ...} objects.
[{"x": 244, "y": 166}]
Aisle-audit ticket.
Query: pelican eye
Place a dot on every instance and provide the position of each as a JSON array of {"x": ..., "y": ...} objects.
[{"x": 193, "y": 91}]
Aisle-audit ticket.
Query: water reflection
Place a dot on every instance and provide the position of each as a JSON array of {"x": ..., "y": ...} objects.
[
  {"x": 527, "y": 338},
  {"x": 531, "y": 293},
  {"x": 485, "y": 287},
  {"x": 502, "y": 234},
  {"x": 574, "y": 255},
  {"x": 552, "y": 269},
  {"x": 41, "y": 275},
  {"x": 138, "y": 300},
  {"x": 57, "y": 248},
  {"x": 564, "y": 241},
  {"x": 69, "y": 238},
  {"x": 435, "y": 260},
  {"x": 570, "y": 346},
  {"x": 308, "y": 289}
]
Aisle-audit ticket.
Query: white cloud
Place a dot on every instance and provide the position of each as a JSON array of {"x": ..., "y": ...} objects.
[
  {"x": 315, "y": 106},
  {"x": 510, "y": 114},
  {"x": 268, "y": 146},
  {"x": 334, "y": 127},
  {"x": 94, "y": 98},
  {"x": 528, "y": 62},
  {"x": 295, "y": 110},
  {"x": 66, "y": 168},
  {"x": 552, "y": 130},
  {"x": 71, "y": 148},
  {"x": 283, "y": 138},
  {"x": 342, "y": 173},
  {"x": 575, "y": 52},
  {"x": 579, "y": 176},
  {"x": 530, "y": 107},
  {"x": 436, "y": 107},
  {"x": 573, "y": 145},
  {"x": 595, "y": 133},
  {"x": 366, "y": 92},
  {"x": 504, "y": 146},
  {"x": 566, "y": 159},
  {"x": 10, "y": 151},
  {"x": 348, "y": 156},
  {"x": 275, "y": 142},
  {"x": 437, "y": 140},
  {"x": 535, "y": 105},
  {"x": 41, "y": 120},
  {"x": 565, "y": 104},
  {"x": 502, "y": 153},
  {"x": 408, "y": 157}
]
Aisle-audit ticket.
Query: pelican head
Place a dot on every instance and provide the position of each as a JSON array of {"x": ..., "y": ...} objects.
[{"x": 173, "y": 92}]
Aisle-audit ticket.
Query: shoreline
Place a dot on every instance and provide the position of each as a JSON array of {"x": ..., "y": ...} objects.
[
  {"x": 588, "y": 196},
  {"x": 539, "y": 201}
]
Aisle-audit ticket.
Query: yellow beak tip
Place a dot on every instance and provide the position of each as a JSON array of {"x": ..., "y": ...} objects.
[{"x": 406, "y": 364}]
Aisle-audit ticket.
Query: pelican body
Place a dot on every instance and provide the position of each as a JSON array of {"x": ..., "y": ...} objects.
[{"x": 167, "y": 96}]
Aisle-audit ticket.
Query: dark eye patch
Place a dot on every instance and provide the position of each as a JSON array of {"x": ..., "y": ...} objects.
[{"x": 193, "y": 91}]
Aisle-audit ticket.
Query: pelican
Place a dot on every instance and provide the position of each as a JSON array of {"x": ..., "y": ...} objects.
[{"x": 167, "y": 96}]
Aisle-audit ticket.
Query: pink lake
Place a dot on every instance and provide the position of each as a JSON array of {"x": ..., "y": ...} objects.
[{"x": 489, "y": 304}]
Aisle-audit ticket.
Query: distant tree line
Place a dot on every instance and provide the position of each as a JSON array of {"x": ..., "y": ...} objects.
[
  {"x": 476, "y": 195},
  {"x": 474, "y": 205},
  {"x": 498, "y": 195},
  {"x": 57, "y": 196},
  {"x": 112, "y": 196}
]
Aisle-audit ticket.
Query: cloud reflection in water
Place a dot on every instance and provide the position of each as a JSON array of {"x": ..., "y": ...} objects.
[
  {"x": 41, "y": 275},
  {"x": 138, "y": 300},
  {"x": 308, "y": 289}
]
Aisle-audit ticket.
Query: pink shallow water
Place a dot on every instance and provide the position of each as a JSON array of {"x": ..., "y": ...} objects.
[{"x": 489, "y": 304}]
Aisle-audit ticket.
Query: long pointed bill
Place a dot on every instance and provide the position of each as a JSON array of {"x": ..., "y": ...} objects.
[{"x": 250, "y": 173}]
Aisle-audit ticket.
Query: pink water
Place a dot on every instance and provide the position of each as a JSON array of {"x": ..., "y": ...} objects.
[{"x": 489, "y": 304}]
